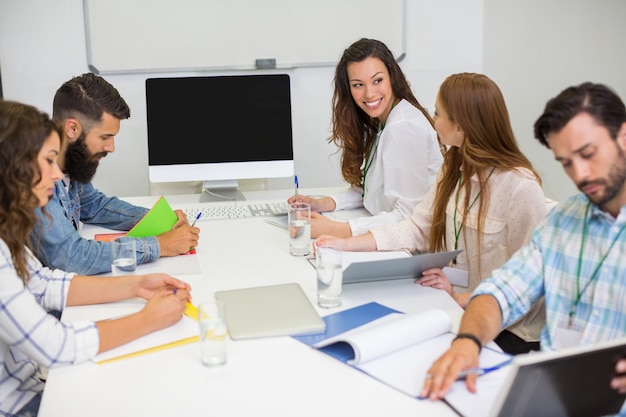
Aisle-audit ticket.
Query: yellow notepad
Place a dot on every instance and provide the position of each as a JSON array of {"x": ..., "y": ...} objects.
[
  {"x": 183, "y": 332},
  {"x": 160, "y": 219}
]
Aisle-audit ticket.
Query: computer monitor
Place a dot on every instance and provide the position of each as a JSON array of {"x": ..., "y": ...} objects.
[{"x": 219, "y": 129}]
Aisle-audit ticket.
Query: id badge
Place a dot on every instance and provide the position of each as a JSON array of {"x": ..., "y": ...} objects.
[
  {"x": 565, "y": 337},
  {"x": 456, "y": 276}
]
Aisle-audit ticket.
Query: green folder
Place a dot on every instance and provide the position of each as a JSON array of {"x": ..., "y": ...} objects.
[{"x": 161, "y": 218}]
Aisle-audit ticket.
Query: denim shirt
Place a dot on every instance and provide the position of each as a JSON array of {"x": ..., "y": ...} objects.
[{"x": 58, "y": 243}]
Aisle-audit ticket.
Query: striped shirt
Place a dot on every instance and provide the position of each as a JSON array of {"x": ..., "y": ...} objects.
[
  {"x": 549, "y": 266},
  {"x": 29, "y": 336}
]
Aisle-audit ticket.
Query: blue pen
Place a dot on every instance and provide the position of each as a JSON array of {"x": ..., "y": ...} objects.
[
  {"x": 295, "y": 180},
  {"x": 192, "y": 225},
  {"x": 477, "y": 371}
]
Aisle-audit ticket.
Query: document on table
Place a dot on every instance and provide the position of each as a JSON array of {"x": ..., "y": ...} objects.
[
  {"x": 338, "y": 216},
  {"x": 398, "y": 349},
  {"x": 184, "y": 331},
  {"x": 187, "y": 264},
  {"x": 345, "y": 215},
  {"x": 350, "y": 257}
]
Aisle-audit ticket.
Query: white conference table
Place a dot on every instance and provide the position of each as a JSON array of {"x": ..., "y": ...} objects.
[{"x": 276, "y": 376}]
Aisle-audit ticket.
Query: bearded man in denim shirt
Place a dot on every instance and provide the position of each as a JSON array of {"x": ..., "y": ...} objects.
[{"x": 91, "y": 110}]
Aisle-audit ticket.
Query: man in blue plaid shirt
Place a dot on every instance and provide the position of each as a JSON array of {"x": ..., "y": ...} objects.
[{"x": 576, "y": 255}]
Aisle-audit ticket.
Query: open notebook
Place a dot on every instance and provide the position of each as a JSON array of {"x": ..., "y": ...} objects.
[{"x": 397, "y": 349}]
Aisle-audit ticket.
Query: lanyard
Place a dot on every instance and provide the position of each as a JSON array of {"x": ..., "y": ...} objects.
[
  {"x": 579, "y": 292},
  {"x": 372, "y": 153},
  {"x": 368, "y": 162},
  {"x": 457, "y": 232}
]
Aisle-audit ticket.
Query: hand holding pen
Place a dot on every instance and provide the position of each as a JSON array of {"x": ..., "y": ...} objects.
[
  {"x": 192, "y": 249},
  {"x": 196, "y": 219},
  {"x": 435, "y": 393},
  {"x": 477, "y": 371}
]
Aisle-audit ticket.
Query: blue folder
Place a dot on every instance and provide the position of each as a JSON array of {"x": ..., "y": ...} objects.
[{"x": 343, "y": 321}]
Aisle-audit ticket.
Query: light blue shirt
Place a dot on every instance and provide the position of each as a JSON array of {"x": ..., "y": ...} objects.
[
  {"x": 58, "y": 243},
  {"x": 548, "y": 266}
]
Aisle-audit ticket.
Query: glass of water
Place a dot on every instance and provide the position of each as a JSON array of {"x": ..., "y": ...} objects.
[
  {"x": 329, "y": 277},
  {"x": 299, "y": 220},
  {"x": 213, "y": 332},
  {"x": 124, "y": 257}
]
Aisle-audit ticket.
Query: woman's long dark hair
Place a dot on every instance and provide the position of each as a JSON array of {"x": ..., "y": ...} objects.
[
  {"x": 353, "y": 130},
  {"x": 23, "y": 130}
]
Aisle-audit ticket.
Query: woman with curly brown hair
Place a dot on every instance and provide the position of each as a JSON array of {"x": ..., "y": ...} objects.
[
  {"x": 390, "y": 152},
  {"x": 30, "y": 337}
]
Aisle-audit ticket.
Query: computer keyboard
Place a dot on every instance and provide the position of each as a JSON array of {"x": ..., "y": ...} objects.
[{"x": 237, "y": 210}]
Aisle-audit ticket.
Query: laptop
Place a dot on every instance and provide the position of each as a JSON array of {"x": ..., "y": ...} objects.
[
  {"x": 273, "y": 310},
  {"x": 398, "y": 268},
  {"x": 571, "y": 382}
]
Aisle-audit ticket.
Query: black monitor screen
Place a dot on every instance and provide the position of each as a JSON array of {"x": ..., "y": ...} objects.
[{"x": 194, "y": 120}]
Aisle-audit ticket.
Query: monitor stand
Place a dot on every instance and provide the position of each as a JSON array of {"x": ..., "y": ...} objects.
[{"x": 221, "y": 191}]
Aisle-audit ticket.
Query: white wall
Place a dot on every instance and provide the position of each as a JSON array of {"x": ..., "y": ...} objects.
[
  {"x": 531, "y": 48},
  {"x": 534, "y": 49},
  {"x": 42, "y": 44}
]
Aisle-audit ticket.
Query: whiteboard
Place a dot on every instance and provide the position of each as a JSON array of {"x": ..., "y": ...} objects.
[{"x": 129, "y": 36}]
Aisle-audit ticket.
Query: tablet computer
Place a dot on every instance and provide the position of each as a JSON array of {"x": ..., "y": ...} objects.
[
  {"x": 399, "y": 268},
  {"x": 573, "y": 382}
]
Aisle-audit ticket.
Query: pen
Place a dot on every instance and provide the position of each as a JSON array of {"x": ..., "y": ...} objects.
[
  {"x": 467, "y": 372},
  {"x": 192, "y": 225},
  {"x": 463, "y": 374},
  {"x": 477, "y": 371},
  {"x": 295, "y": 180}
]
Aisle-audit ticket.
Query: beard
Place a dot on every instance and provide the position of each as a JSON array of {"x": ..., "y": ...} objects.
[
  {"x": 80, "y": 164},
  {"x": 614, "y": 183}
]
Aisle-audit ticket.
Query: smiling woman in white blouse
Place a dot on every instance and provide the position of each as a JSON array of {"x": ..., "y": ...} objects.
[{"x": 390, "y": 152}]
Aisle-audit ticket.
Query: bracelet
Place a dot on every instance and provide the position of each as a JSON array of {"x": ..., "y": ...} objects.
[{"x": 471, "y": 337}]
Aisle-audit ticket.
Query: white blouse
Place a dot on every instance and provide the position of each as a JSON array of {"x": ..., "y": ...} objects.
[{"x": 406, "y": 160}]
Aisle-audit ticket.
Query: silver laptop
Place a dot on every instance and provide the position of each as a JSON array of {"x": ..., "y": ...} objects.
[
  {"x": 572, "y": 382},
  {"x": 273, "y": 310},
  {"x": 397, "y": 268}
]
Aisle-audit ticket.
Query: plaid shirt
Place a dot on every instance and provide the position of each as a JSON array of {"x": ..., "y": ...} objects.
[
  {"x": 29, "y": 337},
  {"x": 549, "y": 265}
]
